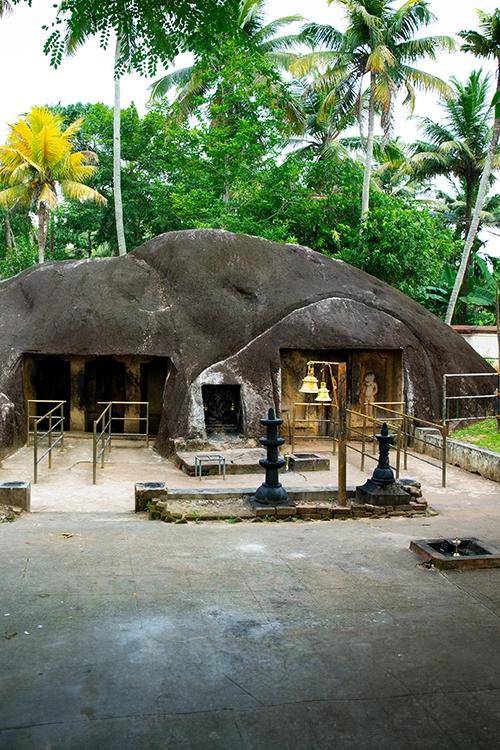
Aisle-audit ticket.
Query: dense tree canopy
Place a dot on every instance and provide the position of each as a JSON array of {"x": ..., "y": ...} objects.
[{"x": 261, "y": 138}]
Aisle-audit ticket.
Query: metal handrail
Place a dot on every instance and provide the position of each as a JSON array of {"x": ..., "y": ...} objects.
[
  {"x": 104, "y": 437},
  {"x": 494, "y": 396},
  {"x": 407, "y": 421},
  {"x": 372, "y": 420},
  {"x": 55, "y": 422},
  {"x": 102, "y": 433},
  {"x": 375, "y": 422}
]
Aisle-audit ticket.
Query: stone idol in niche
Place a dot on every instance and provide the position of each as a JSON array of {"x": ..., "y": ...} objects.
[{"x": 369, "y": 390}]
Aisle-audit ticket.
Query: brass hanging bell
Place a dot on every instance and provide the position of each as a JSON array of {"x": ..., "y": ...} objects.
[
  {"x": 310, "y": 382},
  {"x": 323, "y": 394}
]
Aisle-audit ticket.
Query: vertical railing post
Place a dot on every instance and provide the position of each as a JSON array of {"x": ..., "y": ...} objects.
[
  {"x": 342, "y": 437},
  {"x": 405, "y": 442},
  {"x": 62, "y": 425},
  {"x": 335, "y": 410},
  {"x": 445, "y": 400},
  {"x": 398, "y": 451},
  {"x": 110, "y": 427},
  {"x": 363, "y": 443},
  {"x": 444, "y": 452},
  {"x": 35, "y": 453},
  {"x": 50, "y": 441},
  {"x": 147, "y": 424},
  {"x": 94, "y": 453}
]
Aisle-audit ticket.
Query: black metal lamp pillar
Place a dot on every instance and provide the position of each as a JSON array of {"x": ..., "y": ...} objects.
[
  {"x": 382, "y": 488},
  {"x": 271, "y": 491},
  {"x": 383, "y": 473}
]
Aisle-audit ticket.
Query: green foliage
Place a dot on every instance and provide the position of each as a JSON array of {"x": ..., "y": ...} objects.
[
  {"x": 484, "y": 434},
  {"x": 22, "y": 256},
  {"x": 151, "y": 31},
  {"x": 401, "y": 244},
  {"x": 478, "y": 305}
]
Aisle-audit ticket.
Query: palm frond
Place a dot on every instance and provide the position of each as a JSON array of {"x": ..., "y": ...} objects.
[
  {"x": 16, "y": 195},
  {"x": 269, "y": 31},
  {"x": 322, "y": 35},
  {"x": 82, "y": 193},
  {"x": 179, "y": 77}
]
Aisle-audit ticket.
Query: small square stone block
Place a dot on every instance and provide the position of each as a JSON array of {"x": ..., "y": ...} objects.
[
  {"x": 17, "y": 494},
  {"x": 283, "y": 511},
  {"x": 264, "y": 510},
  {"x": 146, "y": 491}
]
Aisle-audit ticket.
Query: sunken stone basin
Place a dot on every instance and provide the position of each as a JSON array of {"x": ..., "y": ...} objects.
[
  {"x": 308, "y": 462},
  {"x": 461, "y": 554}
]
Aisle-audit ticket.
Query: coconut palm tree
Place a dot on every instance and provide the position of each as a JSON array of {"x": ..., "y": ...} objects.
[
  {"x": 322, "y": 130},
  {"x": 379, "y": 44},
  {"x": 37, "y": 162},
  {"x": 74, "y": 39},
  {"x": 452, "y": 208},
  {"x": 457, "y": 146},
  {"x": 195, "y": 80},
  {"x": 484, "y": 44}
]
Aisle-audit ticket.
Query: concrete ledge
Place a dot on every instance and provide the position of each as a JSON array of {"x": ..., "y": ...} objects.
[
  {"x": 17, "y": 494},
  {"x": 465, "y": 455}
]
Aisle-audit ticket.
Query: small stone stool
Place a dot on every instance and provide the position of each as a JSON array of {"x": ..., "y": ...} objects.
[{"x": 17, "y": 494}]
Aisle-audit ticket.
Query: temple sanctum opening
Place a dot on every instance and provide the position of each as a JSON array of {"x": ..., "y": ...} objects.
[{"x": 86, "y": 383}]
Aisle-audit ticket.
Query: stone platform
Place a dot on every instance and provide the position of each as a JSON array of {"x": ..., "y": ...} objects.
[
  {"x": 246, "y": 461},
  {"x": 311, "y": 503}
]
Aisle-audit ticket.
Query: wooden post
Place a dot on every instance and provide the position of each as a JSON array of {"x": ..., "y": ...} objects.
[{"x": 342, "y": 438}]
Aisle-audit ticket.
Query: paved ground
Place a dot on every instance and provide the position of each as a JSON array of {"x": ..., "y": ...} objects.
[
  {"x": 68, "y": 485},
  {"x": 311, "y": 636}
]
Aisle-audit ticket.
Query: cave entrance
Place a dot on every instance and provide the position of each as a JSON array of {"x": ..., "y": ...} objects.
[
  {"x": 104, "y": 381},
  {"x": 372, "y": 375},
  {"x": 222, "y": 407},
  {"x": 48, "y": 378},
  {"x": 84, "y": 381}
]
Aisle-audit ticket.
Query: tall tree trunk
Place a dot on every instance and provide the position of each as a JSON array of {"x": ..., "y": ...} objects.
[
  {"x": 365, "y": 200},
  {"x": 476, "y": 217},
  {"x": 43, "y": 228},
  {"x": 117, "y": 182},
  {"x": 469, "y": 207}
]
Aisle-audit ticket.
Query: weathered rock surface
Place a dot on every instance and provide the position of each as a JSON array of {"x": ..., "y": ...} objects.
[{"x": 220, "y": 306}]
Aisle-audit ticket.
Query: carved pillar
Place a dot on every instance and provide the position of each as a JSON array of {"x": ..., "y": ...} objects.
[
  {"x": 133, "y": 393},
  {"x": 77, "y": 404}
]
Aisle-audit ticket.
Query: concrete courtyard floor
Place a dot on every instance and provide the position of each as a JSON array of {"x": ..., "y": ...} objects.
[
  {"x": 67, "y": 486},
  {"x": 118, "y": 632}
]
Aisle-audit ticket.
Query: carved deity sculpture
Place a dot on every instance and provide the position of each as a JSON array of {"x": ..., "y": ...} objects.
[{"x": 369, "y": 390}]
